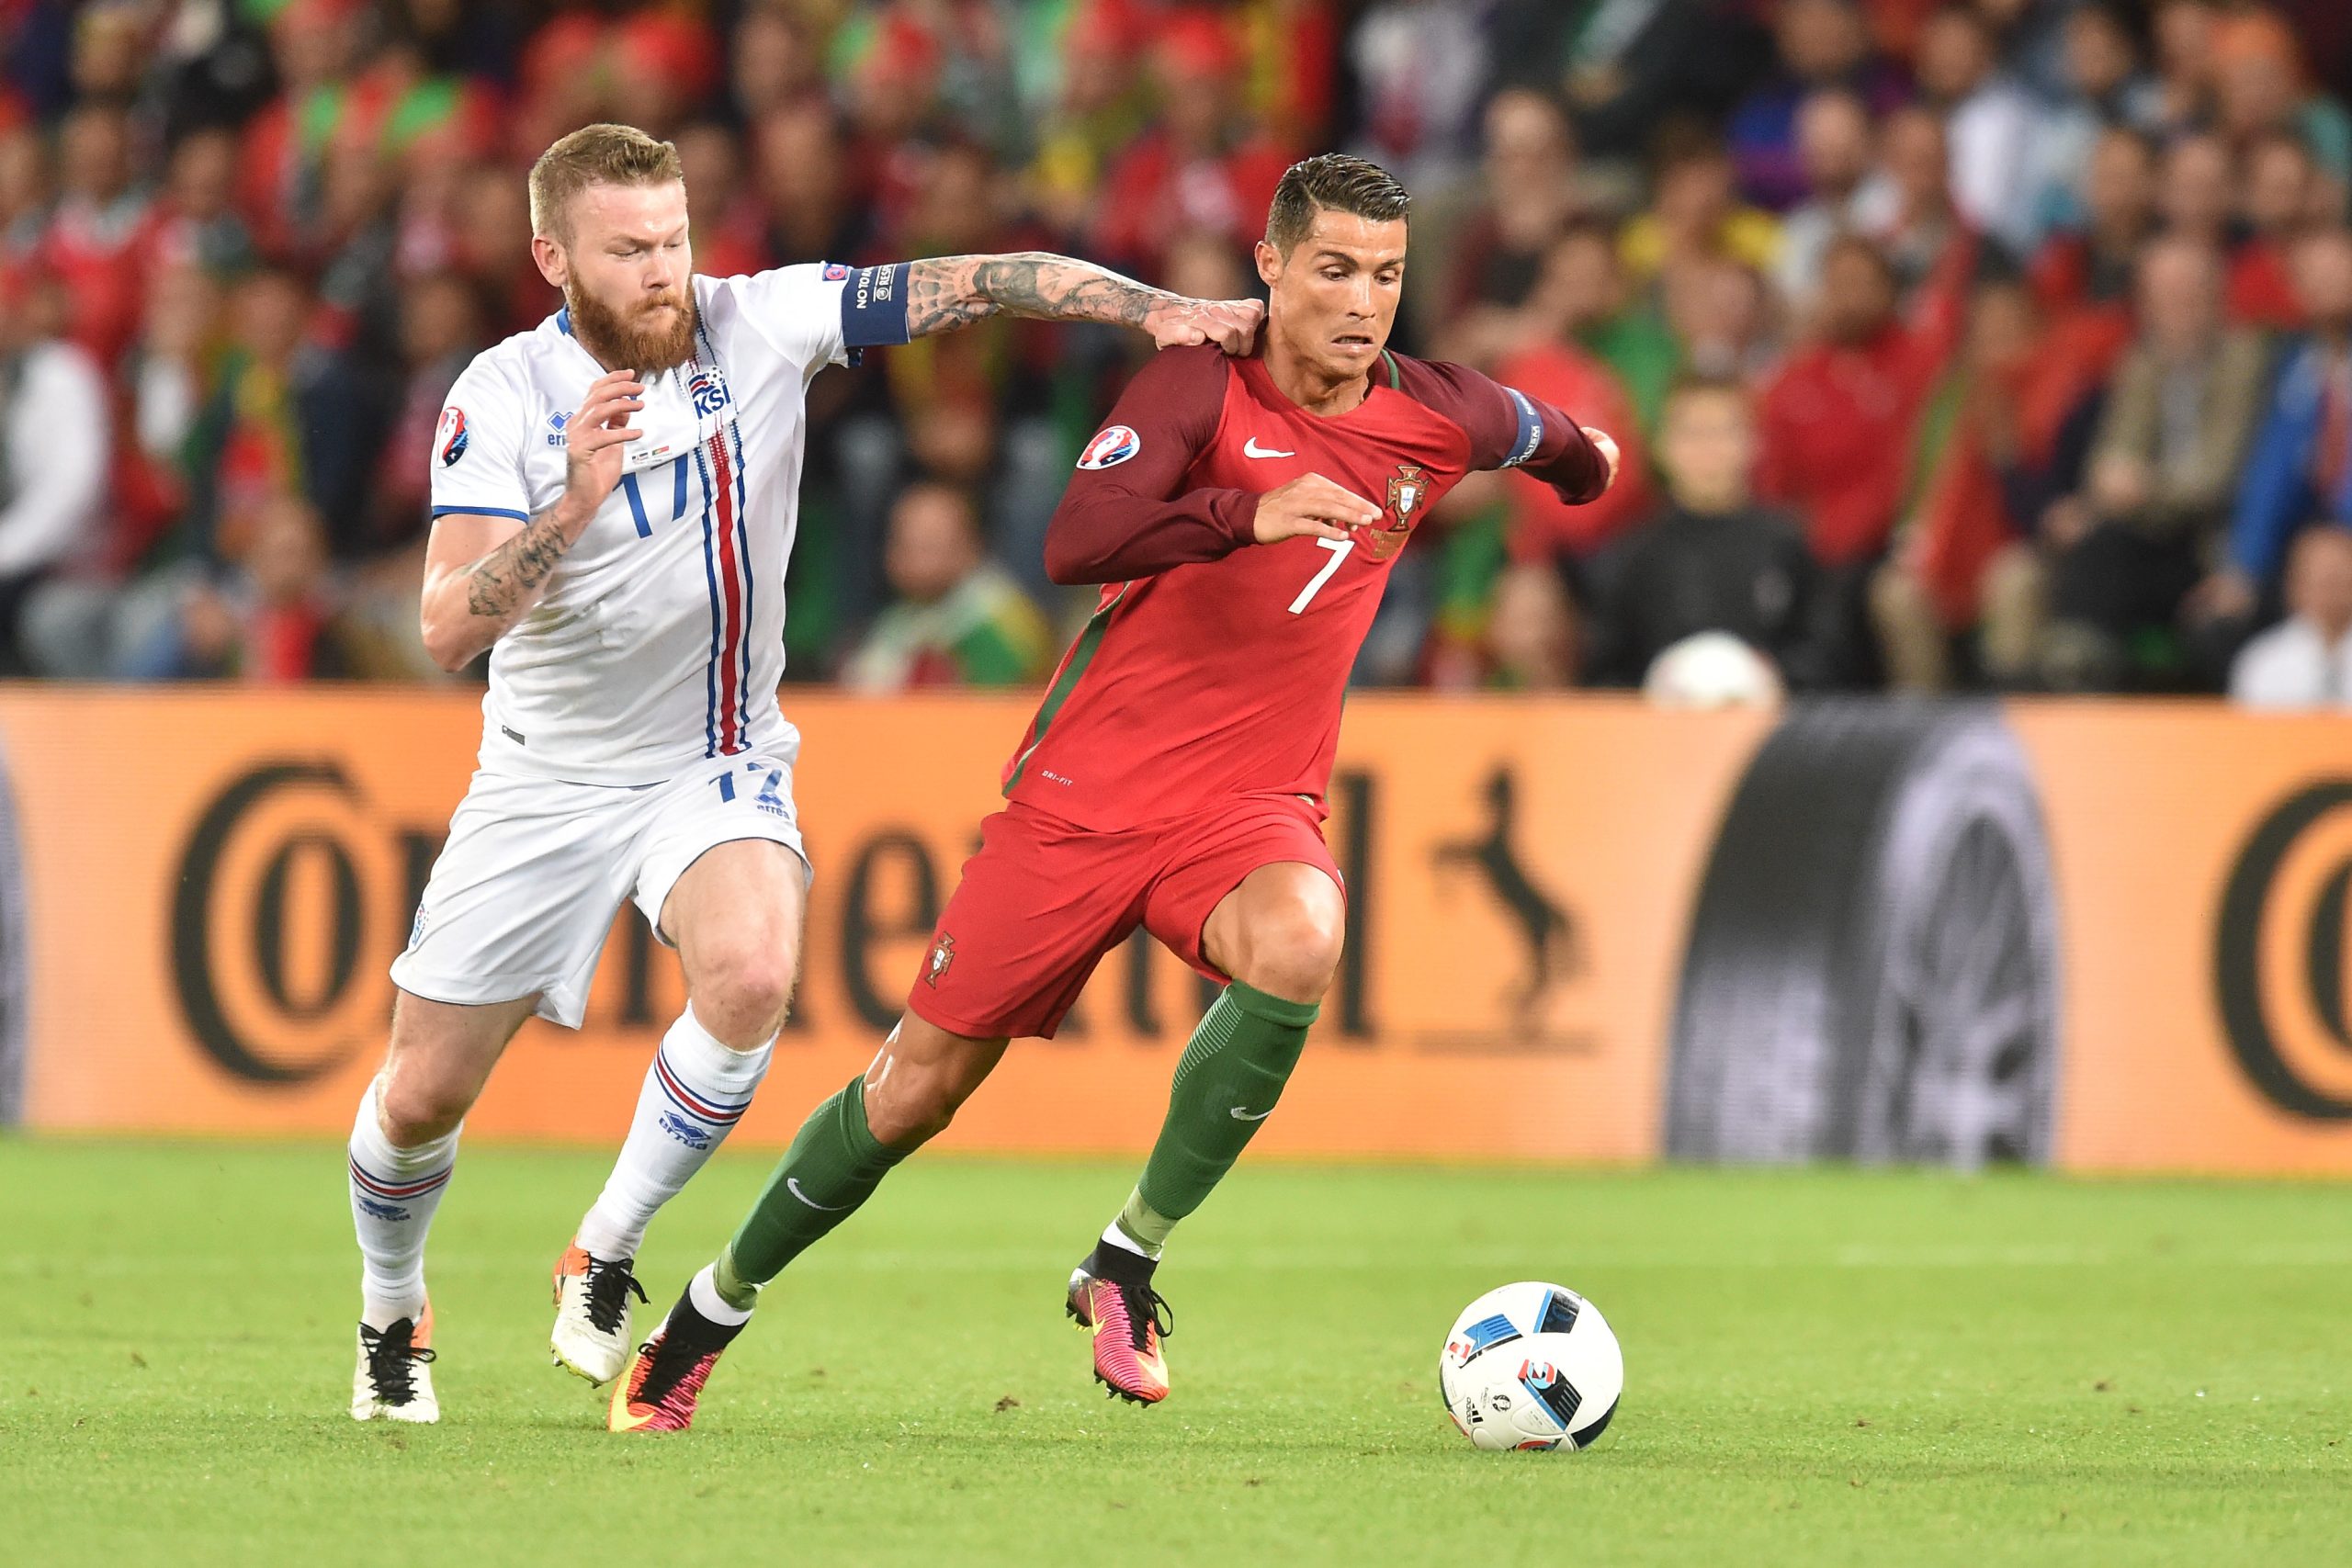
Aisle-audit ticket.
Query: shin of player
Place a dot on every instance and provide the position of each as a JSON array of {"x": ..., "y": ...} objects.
[{"x": 1277, "y": 935}]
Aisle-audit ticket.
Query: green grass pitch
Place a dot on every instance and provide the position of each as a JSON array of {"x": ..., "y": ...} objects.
[{"x": 1824, "y": 1367}]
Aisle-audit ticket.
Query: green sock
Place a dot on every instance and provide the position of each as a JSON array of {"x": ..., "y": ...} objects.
[
  {"x": 834, "y": 1164},
  {"x": 1226, "y": 1082}
]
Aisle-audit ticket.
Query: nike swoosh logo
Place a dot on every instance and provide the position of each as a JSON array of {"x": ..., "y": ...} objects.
[
  {"x": 791, "y": 1185},
  {"x": 1250, "y": 448},
  {"x": 1240, "y": 1115}
]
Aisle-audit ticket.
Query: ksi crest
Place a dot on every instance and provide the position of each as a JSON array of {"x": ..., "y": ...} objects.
[{"x": 1408, "y": 491}]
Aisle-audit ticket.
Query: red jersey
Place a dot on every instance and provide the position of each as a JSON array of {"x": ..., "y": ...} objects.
[{"x": 1214, "y": 667}]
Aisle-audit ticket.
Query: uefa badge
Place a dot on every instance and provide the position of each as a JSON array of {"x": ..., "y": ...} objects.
[{"x": 1407, "y": 491}]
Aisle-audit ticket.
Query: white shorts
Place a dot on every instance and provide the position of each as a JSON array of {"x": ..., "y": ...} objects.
[{"x": 525, "y": 891}]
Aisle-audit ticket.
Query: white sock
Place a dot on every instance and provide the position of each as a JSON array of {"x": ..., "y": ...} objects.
[
  {"x": 694, "y": 1092},
  {"x": 1116, "y": 1234},
  {"x": 703, "y": 1290},
  {"x": 394, "y": 1194}
]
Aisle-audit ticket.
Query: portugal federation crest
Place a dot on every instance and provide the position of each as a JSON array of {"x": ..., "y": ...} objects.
[
  {"x": 1409, "y": 492},
  {"x": 943, "y": 954}
]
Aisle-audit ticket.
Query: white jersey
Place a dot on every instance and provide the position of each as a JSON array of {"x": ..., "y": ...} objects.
[{"x": 660, "y": 641}]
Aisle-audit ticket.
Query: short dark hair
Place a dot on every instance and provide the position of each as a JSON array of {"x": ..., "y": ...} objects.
[{"x": 1331, "y": 182}]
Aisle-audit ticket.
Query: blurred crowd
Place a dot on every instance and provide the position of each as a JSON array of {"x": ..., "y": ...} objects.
[{"x": 1953, "y": 344}]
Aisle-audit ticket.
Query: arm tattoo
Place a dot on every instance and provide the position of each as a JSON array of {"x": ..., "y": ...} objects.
[
  {"x": 501, "y": 582},
  {"x": 947, "y": 292}
]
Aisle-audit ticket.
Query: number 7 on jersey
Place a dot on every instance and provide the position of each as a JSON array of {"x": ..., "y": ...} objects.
[{"x": 1339, "y": 548}]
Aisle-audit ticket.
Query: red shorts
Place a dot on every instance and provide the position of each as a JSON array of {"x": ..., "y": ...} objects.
[{"x": 1044, "y": 900}]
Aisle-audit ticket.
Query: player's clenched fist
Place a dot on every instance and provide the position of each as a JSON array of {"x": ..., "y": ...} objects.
[
  {"x": 1312, "y": 505},
  {"x": 596, "y": 440}
]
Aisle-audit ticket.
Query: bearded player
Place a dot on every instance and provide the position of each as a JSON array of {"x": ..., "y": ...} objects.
[
  {"x": 614, "y": 499},
  {"x": 1242, "y": 517}
]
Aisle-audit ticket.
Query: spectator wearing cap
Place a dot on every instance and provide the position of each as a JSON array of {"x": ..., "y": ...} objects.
[
  {"x": 2305, "y": 662},
  {"x": 955, "y": 618},
  {"x": 2300, "y": 465}
]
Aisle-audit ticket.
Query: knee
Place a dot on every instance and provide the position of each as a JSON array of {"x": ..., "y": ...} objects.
[
  {"x": 415, "y": 1107},
  {"x": 744, "y": 996},
  {"x": 1292, "y": 950}
]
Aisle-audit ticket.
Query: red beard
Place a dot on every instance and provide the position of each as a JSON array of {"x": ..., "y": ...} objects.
[{"x": 647, "y": 340}]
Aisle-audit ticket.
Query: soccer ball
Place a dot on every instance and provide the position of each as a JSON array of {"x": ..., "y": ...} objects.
[
  {"x": 1531, "y": 1366},
  {"x": 1712, "y": 669}
]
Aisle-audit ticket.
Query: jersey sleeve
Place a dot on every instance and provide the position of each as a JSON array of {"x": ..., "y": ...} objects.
[
  {"x": 1126, "y": 512},
  {"x": 819, "y": 313},
  {"x": 477, "y": 457},
  {"x": 1508, "y": 429}
]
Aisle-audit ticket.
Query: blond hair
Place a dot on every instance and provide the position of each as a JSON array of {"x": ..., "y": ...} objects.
[{"x": 594, "y": 155}]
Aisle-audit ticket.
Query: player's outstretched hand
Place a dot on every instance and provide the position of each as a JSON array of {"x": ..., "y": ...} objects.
[
  {"x": 1231, "y": 325},
  {"x": 597, "y": 438},
  {"x": 1606, "y": 443},
  {"x": 1312, "y": 505}
]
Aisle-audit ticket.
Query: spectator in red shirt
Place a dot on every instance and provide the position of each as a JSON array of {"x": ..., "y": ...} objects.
[
  {"x": 93, "y": 244},
  {"x": 2279, "y": 178},
  {"x": 1837, "y": 422},
  {"x": 2092, "y": 268},
  {"x": 1203, "y": 165},
  {"x": 1557, "y": 371}
]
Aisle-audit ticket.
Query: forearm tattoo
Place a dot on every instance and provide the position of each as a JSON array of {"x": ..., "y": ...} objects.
[
  {"x": 947, "y": 292},
  {"x": 504, "y": 581}
]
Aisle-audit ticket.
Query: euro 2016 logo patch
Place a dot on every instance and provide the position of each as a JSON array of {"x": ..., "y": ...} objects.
[
  {"x": 1114, "y": 445},
  {"x": 452, "y": 437}
]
